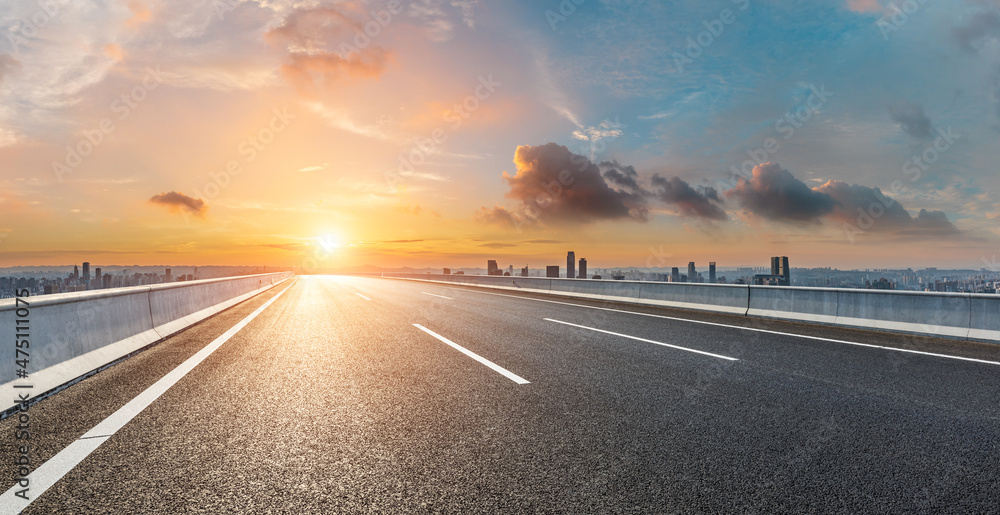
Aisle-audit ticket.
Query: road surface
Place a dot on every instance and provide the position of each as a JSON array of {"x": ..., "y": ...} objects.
[{"x": 350, "y": 394}]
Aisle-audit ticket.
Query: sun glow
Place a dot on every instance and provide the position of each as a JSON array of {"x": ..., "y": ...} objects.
[{"x": 330, "y": 242}]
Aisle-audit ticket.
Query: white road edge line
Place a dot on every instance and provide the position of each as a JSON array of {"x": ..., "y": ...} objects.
[
  {"x": 496, "y": 368},
  {"x": 48, "y": 473},
  {"x": 720, "y": 356},
  {"x": 362, "y": 296},
  {"x": 754, "y": 329},
  {"x": 433, "y": 295}
]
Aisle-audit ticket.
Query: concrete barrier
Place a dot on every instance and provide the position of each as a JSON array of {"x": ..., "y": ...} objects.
[
  {"x": 722, "y": 298},
  {"x": 951, "y": 315},
  {"x": 984, "y": 319},
  {"x": 939, "y": 314},
  {"x": 580, "y": 288},
  {"x": 74, "y": 334},
  {"x": 794, "y": 303}
]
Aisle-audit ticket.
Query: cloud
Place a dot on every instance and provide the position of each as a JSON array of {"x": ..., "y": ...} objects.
[
  {"x": 977, "y": 28},
  {"x": 622, "y": 176},
  {"x": 700, "y": 203},
  {"x": 8, "y": 64},
  {"x": 864, "y": 6},
  {"x": 318, "y": 50},
  {"x": 911, "y": 118},
  {"x": 775, "y": 194},
  {"x": 178, "y": 201},
  {"x": 114, "y": 51},
  {"x": 555, "y": 186},
  {"x": 497, "y": 215},
  {"x": 140, "y": 14},
  {"x": 498, "y": 245},
  {"x": 871, "y": 210}
]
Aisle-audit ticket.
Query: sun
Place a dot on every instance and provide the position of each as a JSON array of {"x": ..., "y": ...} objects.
[{"x": 330, "y": 242}]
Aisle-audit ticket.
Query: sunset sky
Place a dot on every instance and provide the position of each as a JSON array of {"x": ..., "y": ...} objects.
[{"x": 843, "y": 133}]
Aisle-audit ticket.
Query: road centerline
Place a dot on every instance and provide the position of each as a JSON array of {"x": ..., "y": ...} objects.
[
  {"x": 678, "y": 347},
  {"x": 434, "y": 295},
  {"x": 742, "y": 328},
  {"x": 496, "y": 368}
]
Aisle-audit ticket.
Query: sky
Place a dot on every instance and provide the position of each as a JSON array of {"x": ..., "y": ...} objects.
[{"x": 442, "y": 133}]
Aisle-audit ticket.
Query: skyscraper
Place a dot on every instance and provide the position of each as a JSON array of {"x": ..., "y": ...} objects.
[
  {"x": 786, "y": 273},
  {"x": 168, "y": 277},
  {"x": 86, "y": 272},
  {"x": 552, "y": 271},
  {"x": 570, "y": 265},
  {"x": 491, "y": 267},
  {"x": 692, "y": 273},
  {"x": 711, "y": 272},
  {"x": 76, "y": 273},
  {"x": 97, "y": 279},
  {"x": 583, "y": 268},
  {"x": 524, "y": 271},
  {"x": 675, "y": 275}
]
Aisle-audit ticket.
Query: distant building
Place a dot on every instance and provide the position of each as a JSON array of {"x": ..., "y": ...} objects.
[
  {"x": 76, "y": 273},
  {"x": 711, "y": 272},
  {"x": 510, "y": 270},
  {"x": 97, "y": 279},
  {"x": 583, "y": 268},
  {"x": 881, "y": 284},
  {"x": 675, "y": 275},
  {"x": 168, "y": 277},
  {"x": 447, "y": 271},
  {"x": 86, "y": 272},
  {"x": 570, "y": 265},
  {"x": 552, "y": 271},
  {"x": 459, "y": 273},
  {"x": 692, "y": 273},
  {"x": 780, "y": 274},
  {"x": 492, "y": 268},
  {"x": 524, "y": 272}
]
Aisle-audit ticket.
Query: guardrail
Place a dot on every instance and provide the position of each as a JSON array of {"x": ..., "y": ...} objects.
[
  {"x": 72, "y": 335},
  {"x": 969, "y": 316}
]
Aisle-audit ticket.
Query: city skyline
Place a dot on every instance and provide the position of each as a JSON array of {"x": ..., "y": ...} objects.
[{"x": 246, "y": 135}]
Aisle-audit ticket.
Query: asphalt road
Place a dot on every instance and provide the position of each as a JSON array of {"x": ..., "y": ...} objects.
[{"x": 342, "y": 396}]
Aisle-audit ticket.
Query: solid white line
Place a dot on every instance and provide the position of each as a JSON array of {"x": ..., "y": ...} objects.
[
  {"x": 362, "y": 296},
  {"x": 432, "y": 295},
  {"x": 59, "y": 465},
  {"x": 644, "y": 340},
  {"x": 754, "y": 329},
  {"x": 496, "y": 368}
]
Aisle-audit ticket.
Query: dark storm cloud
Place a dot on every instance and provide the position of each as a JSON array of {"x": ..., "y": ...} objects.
[
  {"x": 775, "y": 194},
  {"x": 700, "y": 203}
]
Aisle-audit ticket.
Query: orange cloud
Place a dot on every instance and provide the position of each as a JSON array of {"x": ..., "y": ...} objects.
[
  {"x": 140, "y": 14},
  {"x": 114, "y": 51},
  {"x": 319, "y": 50},
  {"x": 864, "y": 6}
]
